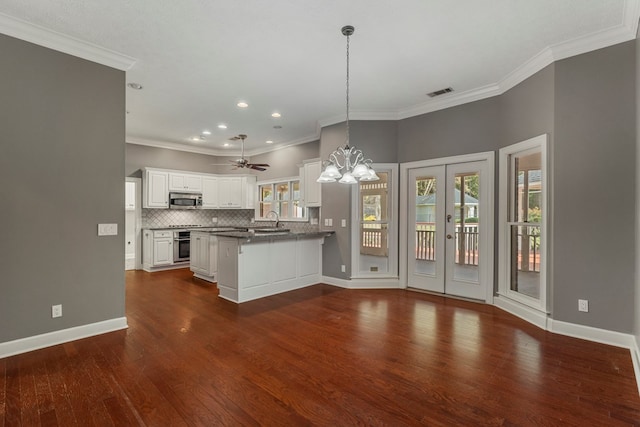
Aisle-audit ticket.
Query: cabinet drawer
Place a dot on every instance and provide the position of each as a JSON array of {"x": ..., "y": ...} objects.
[{"x": 160, "y": 234}]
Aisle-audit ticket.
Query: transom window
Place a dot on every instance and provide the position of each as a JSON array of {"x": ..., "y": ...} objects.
[{"x": 282, "y": 197}]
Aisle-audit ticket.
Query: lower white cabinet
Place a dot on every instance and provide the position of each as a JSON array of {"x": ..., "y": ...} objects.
[
  {"x": 157, "y": 250},
  {"x": 256, "y": 269},
  {"x": 204, "y": 255}
]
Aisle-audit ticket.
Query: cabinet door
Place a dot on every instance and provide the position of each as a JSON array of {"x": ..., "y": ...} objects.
[
  {"x": 250, "y": 191},
  {"x": 209, "y": 192},
  {"x": 162, "y": 252},
  {"x": 230, "y": 192},
  {"x": 147, "y": 248},
  {"x": 185, "y": 182},
  {"x": 228, "y": 263},
  {"x": 200, "y": 253},
  {"x": 156, "y": 190},
  {"x": 312, "y": 188}
]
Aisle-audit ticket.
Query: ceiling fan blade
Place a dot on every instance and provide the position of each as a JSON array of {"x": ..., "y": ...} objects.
[
  {"x": 260, "y": 164},
  {"x": 258, "y": 168}
]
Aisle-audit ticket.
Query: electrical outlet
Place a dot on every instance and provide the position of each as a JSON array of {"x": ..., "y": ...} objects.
[
  {"x": 330, "y": 222},
  {"x": 344, "y": 223},
  {"x": 56, "y": 310},
  {"x": 583, "y": 305},
  {"x": 343, "y": 268},
  {"x": 214, "y": 220}
]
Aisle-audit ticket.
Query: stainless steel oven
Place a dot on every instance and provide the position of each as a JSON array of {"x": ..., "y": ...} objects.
[{"x": 181, "y": 246}]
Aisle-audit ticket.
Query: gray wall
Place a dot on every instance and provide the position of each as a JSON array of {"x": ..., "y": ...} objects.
[
  {"x": 283, "y": 162},
  {"x": 637, "y": 288},
  {"x": 377, "y": 140},
  {"x": 62, "y": 127},
  {"x": 594, "y": 188}
]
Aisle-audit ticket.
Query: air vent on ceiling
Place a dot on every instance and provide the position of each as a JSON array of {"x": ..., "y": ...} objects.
[{"x": 440, "y": 92}]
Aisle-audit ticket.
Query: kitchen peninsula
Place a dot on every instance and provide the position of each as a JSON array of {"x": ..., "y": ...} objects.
[{"x": 255, "y": 264}]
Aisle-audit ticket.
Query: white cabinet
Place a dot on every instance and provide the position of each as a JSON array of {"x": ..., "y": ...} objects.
[
  {"x": 209, "y": 192},
  {"x": 311, "y": 189},
  {"x": 155, "y": 189},
  {"x": 230, "y": 192},
  {"x": 250, "y": 190},
  {"x": 259, "y": 268},
  {"x": 185, "y": 182},
  {"x": 204, "y": 255},
  {"x": 157, "y": 250}
]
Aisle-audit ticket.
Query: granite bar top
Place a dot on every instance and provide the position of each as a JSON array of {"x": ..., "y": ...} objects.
[{"x": 251, "y": 236}]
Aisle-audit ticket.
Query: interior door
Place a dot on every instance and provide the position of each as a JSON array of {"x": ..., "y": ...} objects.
[{"x": 446, "y": 234}]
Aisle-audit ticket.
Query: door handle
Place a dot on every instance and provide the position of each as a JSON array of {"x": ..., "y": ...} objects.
[
  {"x": 449, "y": 236},
  {"x": 449, "y": 218}
]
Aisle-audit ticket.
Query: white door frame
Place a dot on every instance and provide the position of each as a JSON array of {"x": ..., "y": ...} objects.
[
  {"x": 487, "y": 244},
  {"x": 138, "y": 219}
]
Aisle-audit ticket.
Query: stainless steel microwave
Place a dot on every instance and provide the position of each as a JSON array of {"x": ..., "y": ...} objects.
[{"x": 185, "y": 200}]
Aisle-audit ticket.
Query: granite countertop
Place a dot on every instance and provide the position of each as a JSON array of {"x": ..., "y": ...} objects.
[{"x": 250, "y": 236}]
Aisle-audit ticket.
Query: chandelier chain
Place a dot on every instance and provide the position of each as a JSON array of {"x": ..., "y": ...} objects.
[{"x": 348, "y": 36}]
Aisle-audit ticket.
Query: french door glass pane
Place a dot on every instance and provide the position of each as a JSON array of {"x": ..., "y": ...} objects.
[
  {"x": 525, "y": 260},
  {"x": 425, "y": 226},
  {"x": 467, "y": 227}
]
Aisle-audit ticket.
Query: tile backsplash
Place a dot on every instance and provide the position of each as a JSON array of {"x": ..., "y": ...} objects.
[{"x": 154, "y": 218}]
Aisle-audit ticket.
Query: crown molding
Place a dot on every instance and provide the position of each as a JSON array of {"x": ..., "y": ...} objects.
[
  {"x": 216, "y": 152},
  {"x": 36, "y": 34}
]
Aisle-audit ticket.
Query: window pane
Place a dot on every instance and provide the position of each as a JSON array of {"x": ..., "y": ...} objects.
[
  {"x": 284, "y": 210},
  {"x": 467, "y": 228},
  {"x": 282, "y": 191},
  {"x": 425, "y": 225},
  {"x": 527, "y": 200},
  {"x": 295, "y": 187},
  {"x": 266, "y": 193},
  {"x": 525, "y": 260}
]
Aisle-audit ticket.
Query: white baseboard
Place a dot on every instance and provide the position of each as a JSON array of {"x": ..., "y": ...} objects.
[
  {"x": 36, "y": 342},
  {"x": 364, "y": 282},
  {"x": 635, "y": 358},
  {"x": 589, "y": 333},
  {"x": 532, "y": 316}
]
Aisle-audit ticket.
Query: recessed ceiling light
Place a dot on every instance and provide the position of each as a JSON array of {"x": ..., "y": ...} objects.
[
  {"x": 242, "y": 104},
  {"x": 222, "y": 126},
  {"x": 136, "y": 86},
  {"x": 226, "y": 144},
  {"x": 276, "y": 115},
  {"x": 206, "y": 132},
  {"x": 195, "y": 138},
  {"x": 269, "y": 142}
]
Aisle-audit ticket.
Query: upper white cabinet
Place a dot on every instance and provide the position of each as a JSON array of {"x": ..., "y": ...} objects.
[
  {"x": 130, "y": 196},
  {"x": 155, "y": 189},
  {"x": 230, "y": 192},
  {"x": 311, "y": 189},
  {"x": 210, "y": 192},
  {"x": 218, "y": 191},
  {"x": 185, "y": 182}
]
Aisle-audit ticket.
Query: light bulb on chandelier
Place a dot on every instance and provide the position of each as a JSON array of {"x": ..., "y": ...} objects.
[{"x": 348, "y": 164}]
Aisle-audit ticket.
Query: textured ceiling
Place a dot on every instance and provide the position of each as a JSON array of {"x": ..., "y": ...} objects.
[{"x": 196, "y": 59}]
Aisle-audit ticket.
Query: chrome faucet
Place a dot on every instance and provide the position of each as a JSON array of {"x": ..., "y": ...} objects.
[{"x": 276, "y": 215}]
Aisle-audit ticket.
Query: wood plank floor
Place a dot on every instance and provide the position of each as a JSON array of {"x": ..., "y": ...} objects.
[{"x": 316, "y": 356}]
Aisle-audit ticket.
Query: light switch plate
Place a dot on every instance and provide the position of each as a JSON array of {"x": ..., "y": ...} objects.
[{"x": 107, "y": 229}]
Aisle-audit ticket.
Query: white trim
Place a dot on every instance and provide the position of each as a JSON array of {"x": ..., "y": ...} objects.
[
  {"x": 334, "y": 281},
  {"x": 522, "y": 311},
  {"x": 635, "y": 358},
  {"x": 538, "y": 142},
  {"x": 23, "y": 345},
  {"x": 138, "y": 219},
  {"x": 36, "y": 34},
  {"x": 589, "y": 333}
]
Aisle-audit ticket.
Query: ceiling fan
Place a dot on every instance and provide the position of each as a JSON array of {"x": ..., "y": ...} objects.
[{"x": 242, "y": 162}]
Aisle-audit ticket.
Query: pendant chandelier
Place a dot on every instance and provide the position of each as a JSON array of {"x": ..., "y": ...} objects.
[{"x": 347, "y": 163}]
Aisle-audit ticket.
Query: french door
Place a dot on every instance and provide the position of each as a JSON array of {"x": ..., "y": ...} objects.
[{"x": 449, "y": 229}]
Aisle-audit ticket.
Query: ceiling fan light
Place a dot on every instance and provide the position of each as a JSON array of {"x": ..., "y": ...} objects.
[
  {"x": 360, "y": 170},
  {"x": 347, "y": 178}
]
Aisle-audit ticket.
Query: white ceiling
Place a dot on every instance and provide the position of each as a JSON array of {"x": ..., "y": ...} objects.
[{"x": 196, "y": 59}]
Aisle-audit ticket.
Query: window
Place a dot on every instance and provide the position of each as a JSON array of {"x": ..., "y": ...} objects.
[
  {"x": 522, "y": 222},
  {"x": 282, "y": 197}
]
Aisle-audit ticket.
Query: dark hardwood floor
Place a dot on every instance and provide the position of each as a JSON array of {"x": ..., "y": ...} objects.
[{"x": 316, "y": 356}]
